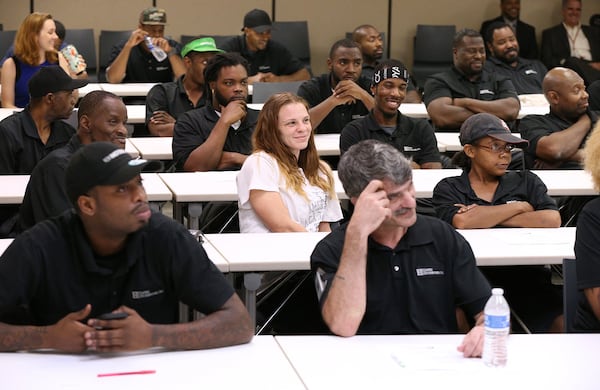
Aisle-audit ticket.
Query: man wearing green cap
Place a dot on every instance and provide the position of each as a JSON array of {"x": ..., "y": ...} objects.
[
  {"x": 132, "y": 62},
  {"x": 166, "y": 102}
]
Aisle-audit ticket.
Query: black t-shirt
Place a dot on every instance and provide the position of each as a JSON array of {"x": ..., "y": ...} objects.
[
  {"x": 587, "y": 252},
  {"x": 416, "y": 286},
  {"x": 142, "y": 67},
  {"x": 172, "y": 98},
  {"x": 193, "y": 128},
  {"x": 52, "y": 270},
  {"x": 414, "y": 137},
  {"x": 275, "y": 58},
  {"x": 513, "y": 186},
  {"x": 319, "y": 88}
]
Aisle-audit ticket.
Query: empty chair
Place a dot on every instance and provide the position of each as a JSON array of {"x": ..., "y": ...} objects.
[
  {"x": 432, "y": 51},
  {"x": 294, "y": 36},
  {"x": 107, "y": 40},
  {"x": 262, "y": 91},
  {"x": 7, "y": 38},
  {"x": 83, "y": 40}
]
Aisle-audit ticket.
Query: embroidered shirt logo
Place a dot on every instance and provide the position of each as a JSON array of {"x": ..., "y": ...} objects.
[
  {"x": 411, "y": 148},
  {"x": 428, "y": 272},
  {"x": 530, "y": 71},
  {"x": 486, "y": 92},
  {"x": 145, "y": 294}
]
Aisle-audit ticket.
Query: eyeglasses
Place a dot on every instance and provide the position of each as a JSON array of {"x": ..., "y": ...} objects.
[{"x": 497, "y": 148}]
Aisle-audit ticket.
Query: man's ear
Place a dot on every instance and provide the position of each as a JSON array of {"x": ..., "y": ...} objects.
[
  {"x": 552, "y": 97},
  {"x": 86, "y": 205},
  {"x": 329, "y": 64},
  {"x": 84, "y": 123}
]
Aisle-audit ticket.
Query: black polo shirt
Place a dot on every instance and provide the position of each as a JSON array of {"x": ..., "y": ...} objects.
[
  {"x": 53, "y": 270},
  {"x": 416, "y": 286},
  {"x": 275, "y": 58},
  {"x": 170, "y": 97},
  {"x": 534, "y": 127},
  {"x": 20, "y": 145},
  {"x": 193, "y": 128},
  {"x": 526, "y": 77},
  {"x": 46, "y": 195},
  {"x": 453, "y": 84},
  {"x": 142, "y": 67},
  {"x": 514, "y": 186},
  {"x": 415, "y": 138},
  {"x": 317, "y": 89},
  {"x": 587, "y": 253}
]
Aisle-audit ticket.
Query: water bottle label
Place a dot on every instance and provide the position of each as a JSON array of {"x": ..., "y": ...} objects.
[{"x": 497, "y": 322}]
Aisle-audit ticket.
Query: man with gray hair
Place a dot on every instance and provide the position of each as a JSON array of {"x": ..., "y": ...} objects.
[{"x": 389, "y": 270}]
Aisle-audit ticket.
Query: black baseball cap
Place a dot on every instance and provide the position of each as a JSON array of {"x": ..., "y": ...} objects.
[
  {"x": 52, "y": 79},
  {"x": 258, "y": 20},
  {"x": 480, "y": 125},
  {"x": 99, "y": 164}
]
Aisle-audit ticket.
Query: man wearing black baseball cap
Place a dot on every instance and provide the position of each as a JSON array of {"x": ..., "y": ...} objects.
[
  {"x": 132, "y": 61},
  {"x": 29, "y": 135},
  {"x": 269, "y": 60},
  {"x": 113, "y": 255}
]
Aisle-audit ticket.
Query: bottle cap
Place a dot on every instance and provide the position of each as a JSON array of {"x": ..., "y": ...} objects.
[{"x": 497, "y": 291}]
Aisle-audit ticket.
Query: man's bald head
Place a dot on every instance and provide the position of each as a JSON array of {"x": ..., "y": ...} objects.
[
  {"x": 565, "y": 91},
  {"x": 558, "y": 77}
]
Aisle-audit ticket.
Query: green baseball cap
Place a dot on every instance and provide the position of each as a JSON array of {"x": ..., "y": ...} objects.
[{"x": 201, "y": 45}]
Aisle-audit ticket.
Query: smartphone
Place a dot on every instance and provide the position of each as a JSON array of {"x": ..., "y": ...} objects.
[
  {"x": 72, "y": 56},
  {"x": 113, "y": 316}
]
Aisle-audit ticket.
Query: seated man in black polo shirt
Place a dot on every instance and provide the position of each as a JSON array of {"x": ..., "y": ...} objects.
[
  {"x": 392, "y": 271},
  {"x": 217, "y": 136},
  {"x": 167, "y": 101},
  {"x": 415, "y": 138},
  {"x": 342, "y": 95},
  {"x": 467, "y": 89},
  {"x": 132, "y": 62},
  {"x": 526, "y": 75},
  {"x": 102, "y": 116},
  {"x": 268, "y": 60},
  {"x": 113, "y": 255},
  {"x": 29, "y": 135}
]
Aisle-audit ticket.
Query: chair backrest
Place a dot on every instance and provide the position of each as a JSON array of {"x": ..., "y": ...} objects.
[
  {"x": 385, "y": 46},
  {"x": 7, "y": 38},
  {"x": 107, "y": 40},
  {"x": 262, "y": 91},
  {"x": 432, "y": 51},
  {"x": 219, "y": 39},
  {"x": 83, "y": 40},
  {"x": 294, "y": 36},
  {"x": 433, "y": 43},
  {"x": 570, "y": 293},
  {"x": 595, "y": 20}
]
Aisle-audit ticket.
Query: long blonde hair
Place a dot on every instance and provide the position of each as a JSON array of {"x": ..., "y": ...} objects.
[
  {"x": 26, "y": 44},
  {"x": 266, "y": 138}
]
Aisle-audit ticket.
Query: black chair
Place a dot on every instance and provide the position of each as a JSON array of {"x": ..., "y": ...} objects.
[
  {"x": 107, "y": 40},
  {"x": 294, "y": 36},
  {"x": 262, "y": 91},
  {"x": 83, "y": 40},
  {"x": 570, "y": 293},
  {"x": 595, "y": 20},
  {"x": 385, "y": 46},
  {"x": 7, "y": 38},
  {"x": 219, "y": 39},
  {"x": 432, "y": 51}
]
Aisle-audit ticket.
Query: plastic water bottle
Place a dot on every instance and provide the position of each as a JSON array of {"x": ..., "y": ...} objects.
[
  {"x": 497, "y": 328},
  {"x": 156, "y": 51}
]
